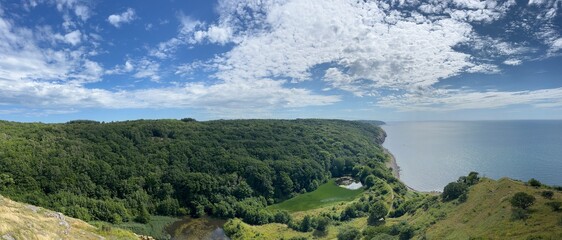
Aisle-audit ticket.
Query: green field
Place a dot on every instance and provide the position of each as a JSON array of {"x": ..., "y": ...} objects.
[{"x": 326, "y": 194}]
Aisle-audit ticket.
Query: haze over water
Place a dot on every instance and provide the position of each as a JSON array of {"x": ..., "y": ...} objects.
[{"x": 432, "y": 154}]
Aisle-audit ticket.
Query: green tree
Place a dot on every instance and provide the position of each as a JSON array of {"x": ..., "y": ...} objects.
[
  {"x": 534, "y": 182},
  {"x": 377, "y": 212},
  {"x": 144, "y": 216},
  {"x": 306, "y": 224},
  {"x": 5, "y": 181},
  {"x": 322, "y": 223},
  {"x": 522, "y": 200},
  {"x": 349, "y": 233},
  {"x": 370, "y": 181},
  {"x": 453, "y": 190}
]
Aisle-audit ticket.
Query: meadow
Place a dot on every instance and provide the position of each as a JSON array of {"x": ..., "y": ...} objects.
[{"x": 326, "y": 194}]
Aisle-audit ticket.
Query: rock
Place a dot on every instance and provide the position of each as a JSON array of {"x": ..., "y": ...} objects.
[{"x": 8, "y": 237}]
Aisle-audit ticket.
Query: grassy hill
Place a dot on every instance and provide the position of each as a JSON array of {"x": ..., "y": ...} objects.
[
  {"x": 487, "y": 214},
  {"x": 22, "y": 221}
]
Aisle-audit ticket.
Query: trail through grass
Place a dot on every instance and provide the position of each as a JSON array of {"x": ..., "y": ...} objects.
[{"x": 326, "y": 194}]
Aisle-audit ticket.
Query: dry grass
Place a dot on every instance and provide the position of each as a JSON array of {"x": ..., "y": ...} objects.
[{"x": 21, "y": 221}]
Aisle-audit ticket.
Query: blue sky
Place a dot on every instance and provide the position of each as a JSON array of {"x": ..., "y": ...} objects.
[{"x": 389, "y": 60}]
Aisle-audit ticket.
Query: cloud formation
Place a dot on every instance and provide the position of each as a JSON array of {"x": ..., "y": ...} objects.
[
  {"x": 274, "y": 54},
  {"x": 118, "y": 19}
]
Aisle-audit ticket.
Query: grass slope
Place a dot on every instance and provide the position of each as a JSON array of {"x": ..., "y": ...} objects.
[
  {"x": 21, "y": 221},
  {"x": 487, "y": 215},
  {"x": 326, "y": 194}
]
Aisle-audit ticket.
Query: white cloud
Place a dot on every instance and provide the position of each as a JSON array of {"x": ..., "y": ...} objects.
[
  {"x": 82, "y": 11},
  {"x": 147, "y": 69},
  {"x": 354, "y": 36},
  {"x": 118, "y": 19},
  {"x": 448, "y": 100},
  {"x": 556, "y": 45},
  {"x": 73, "y": 38},
  {"x": 513, "y": 62},
  {"x": 215, "y": 34}
]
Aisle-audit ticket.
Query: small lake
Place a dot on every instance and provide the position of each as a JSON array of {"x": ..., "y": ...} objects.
[
  {"x": 204, "y": 228},
  {"x": 432, "y": 154}
]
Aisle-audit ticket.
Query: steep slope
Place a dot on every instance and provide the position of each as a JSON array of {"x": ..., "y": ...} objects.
[{"x": 21, "y": 221}]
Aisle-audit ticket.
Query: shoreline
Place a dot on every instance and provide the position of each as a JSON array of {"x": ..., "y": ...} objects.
[{"x": 391, "y": 163}]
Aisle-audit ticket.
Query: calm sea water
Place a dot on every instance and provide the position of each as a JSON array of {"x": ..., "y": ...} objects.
[{"x": 432, "y": 154}]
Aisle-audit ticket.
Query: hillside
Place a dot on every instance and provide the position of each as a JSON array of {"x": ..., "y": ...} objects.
[
  {"x": 487, "y": 213},
  {"x": 22, "y": 221},
  {"x": 127, "y": 171}
]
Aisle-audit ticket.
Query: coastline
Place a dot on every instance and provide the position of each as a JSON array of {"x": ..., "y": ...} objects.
[{"x": 391, "y": 163}]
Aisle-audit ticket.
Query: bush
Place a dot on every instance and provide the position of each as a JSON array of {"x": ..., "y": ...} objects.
[
  {"x": 322, "y": 223},
  {"x": 534, "y": 182},
  {"x": 370, "y": 181},
  {"x": 522, "y": 200},
  {"x": 547, "y": 194},
  {"x": 350, "y": 233},
  {"x": 282, "y": 217},
  {"x": 403, "y": 230},
  {"x": 519, "y": 214},
  {"x": 453, "y": 190},
  {"x": 555, "y": 206},
  {"x": 307, "y": 224}
]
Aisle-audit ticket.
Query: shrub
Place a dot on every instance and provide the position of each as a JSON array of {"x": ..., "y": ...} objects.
[
  {"x": 519, "y": 214},
  {"x": 547, "y": 194},
  {"x": 370, "y": 181},
  {"x": 350, "y": 233},
  {"x": 522, "y": 200},
  {"x": 534, "y": 182},
  {"x": 322, "y": 223},
  {"x": 555, "y": 206}
]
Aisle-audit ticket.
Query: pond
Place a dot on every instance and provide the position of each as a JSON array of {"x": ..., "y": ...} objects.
[{"x": 197, "y": 228}]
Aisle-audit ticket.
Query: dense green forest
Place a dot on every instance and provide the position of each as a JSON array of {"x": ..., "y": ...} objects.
[{"x": 127, "y": 171}]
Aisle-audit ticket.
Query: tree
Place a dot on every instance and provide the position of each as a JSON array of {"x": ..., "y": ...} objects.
[
  {"x": 370, "y": 181},
  {"x": 5, "y": 181},
  {"x": 322, "y": 223},
  {"x": 349, "y": 233},
  {"x": 306, "y": 224},
  {"x": 522, "y": 200},
  {"x": 534, "y": 182},
  {"x": 282, "y": 217},
  {"x": 377, "y": 212},
  {"x": 144, "y": 216},
  {"x": 453, "y": 190},
  {"x": 472, "y": 178}
]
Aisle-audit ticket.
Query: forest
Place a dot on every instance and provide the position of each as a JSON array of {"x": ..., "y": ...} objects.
[{"x": 127, "y": 171}]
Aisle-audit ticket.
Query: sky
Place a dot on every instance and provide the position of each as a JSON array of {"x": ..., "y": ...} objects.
[{"x": 388, "y": 60}]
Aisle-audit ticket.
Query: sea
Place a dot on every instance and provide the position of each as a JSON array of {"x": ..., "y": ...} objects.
[{"x": 432, "y": 154}]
